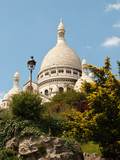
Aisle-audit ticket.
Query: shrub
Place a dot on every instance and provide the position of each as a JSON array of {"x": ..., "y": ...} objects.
[
  {"x": 4, "y": 115},
  {"x": 47, "y": 125},
  {"x": 26, "y": 105},
  {"x": 72, "y": 144},
  {"x": 8, "y": 154},
  {"x": 70, "y": 97},
  {"x": 52, "y": 125},
  {"x": 100, "y": 124},
  {"x": 65, "y": 101},
  {"x": 24, "y": 127}
]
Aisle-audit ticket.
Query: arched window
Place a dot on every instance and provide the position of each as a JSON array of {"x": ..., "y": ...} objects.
[
  {"x": 53, "y": 71},
  {"x": 47, "y": 73},
  {"x": 60, "y": 89},
  {"x": 68, "y": 88},
  {"x": 68, "y": 71},
  {"x": 60, "y": 71},
  {"x": 41, "y": 76},
  {"x": 46, "y": 92},
  {"x": 74, "y": 72}
]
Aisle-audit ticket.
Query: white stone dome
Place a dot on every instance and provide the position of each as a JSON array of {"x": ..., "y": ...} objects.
[
  {"x": 91, "y": 75},
  {"x": 60, "y": 66},
  {"x": 84, "y": 76},
  {"x": 14, "y": 90},
  {"x": 6, "y": 97},
  {"x": 61, "y": 55}
]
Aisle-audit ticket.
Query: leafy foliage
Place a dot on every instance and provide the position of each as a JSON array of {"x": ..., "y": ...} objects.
[
  {"x": 53, "y": 125},
  {"x": 6, "y": 132},
  {"x": 26, "y": 105},
  {"x": 101, "y": 123},
  {"x": 41, "y": 148},
  {"x": 78, "y": 125},
  {"x": 4, "y": 115},
  {"x": 70, "y": 97},
  {"x": 29, "y": 127},
  {"x": 8, "y": 154},
  {"x": 65, "y": 101},
  {"x": 72, "y": 144},
  {"x": 118, "y": 62},
  {"x": 90, "y": 148}
]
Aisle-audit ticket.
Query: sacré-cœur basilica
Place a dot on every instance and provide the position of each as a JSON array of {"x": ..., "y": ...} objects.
[{"x": 60, "y": 68}]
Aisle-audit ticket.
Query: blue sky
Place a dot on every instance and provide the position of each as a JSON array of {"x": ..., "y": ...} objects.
[{"x": 29, "y": 27}]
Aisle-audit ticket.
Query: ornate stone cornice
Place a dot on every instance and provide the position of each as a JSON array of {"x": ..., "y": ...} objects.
[{"x": 57, "y": 80}]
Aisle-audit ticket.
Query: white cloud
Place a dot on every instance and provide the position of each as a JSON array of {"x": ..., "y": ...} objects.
[
  {"x": 113, "y": 7},
  {"x": 89, "y": 47},
  {"x": 116, "y": 25},
  {"x": 114, "y": 41}
]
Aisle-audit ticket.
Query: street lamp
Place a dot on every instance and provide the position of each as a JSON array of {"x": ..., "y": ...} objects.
[{"x": 31, "y": 65}]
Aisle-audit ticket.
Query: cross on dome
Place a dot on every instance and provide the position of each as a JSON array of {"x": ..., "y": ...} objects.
[{"x": 60, "y": 20}]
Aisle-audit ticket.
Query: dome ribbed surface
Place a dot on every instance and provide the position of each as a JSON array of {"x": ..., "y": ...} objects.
[
  {"x": 61, "y": 55},
  {"x": 6, "y": 97}
]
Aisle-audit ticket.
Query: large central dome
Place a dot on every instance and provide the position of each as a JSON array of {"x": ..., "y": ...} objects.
[
  {"x": 60, "y": 67},
  {"x": 61, "y": 54}
]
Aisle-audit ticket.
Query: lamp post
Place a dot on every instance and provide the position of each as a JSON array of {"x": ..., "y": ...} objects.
[{"x": 31, "y": 65}]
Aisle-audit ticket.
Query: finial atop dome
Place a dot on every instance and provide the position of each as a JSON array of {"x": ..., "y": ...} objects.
[
  {"x": 61, "y": 26},
  {"x": 84, "y": 62},
  {"x": 16, "y": 75},
  {"x": 84, "y": 68},
  {"x": 61, "y": 32},
  {"x": 60, "y": 20},
  {"x": 16, "y": 79}
]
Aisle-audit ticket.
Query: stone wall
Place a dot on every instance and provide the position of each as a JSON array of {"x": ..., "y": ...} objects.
[{"x": 55, "y": 148}]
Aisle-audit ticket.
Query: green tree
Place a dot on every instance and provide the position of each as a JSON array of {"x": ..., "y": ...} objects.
[
  {"x": 118, "y": 62},
  {"x": 26, "y": 105},
  {"x": 101, "y": 123}
]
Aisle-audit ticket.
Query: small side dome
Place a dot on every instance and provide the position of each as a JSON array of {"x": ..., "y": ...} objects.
[
  {"x": 84, "y": 62},
  {"x": 6, "y": 97},
  {"x": 91, "y": 75},
  {"x": 16, "y": 75},
  {"x": 14, "y": 90}
]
